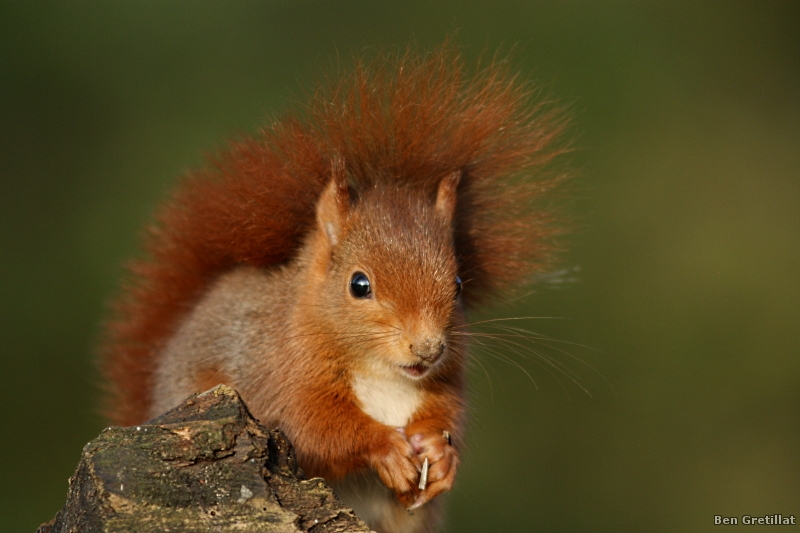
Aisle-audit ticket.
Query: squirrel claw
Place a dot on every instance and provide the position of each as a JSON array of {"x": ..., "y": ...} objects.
[{"x": 421, "y": 500}]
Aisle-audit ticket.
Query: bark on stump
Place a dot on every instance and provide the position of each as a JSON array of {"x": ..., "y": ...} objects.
[{"x": 205, "y": 466}]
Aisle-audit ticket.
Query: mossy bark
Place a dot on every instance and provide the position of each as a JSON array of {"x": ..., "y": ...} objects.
[{"x": 206, "y": 465}]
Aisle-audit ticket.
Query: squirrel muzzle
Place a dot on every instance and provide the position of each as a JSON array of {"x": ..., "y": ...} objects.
[{"x": 429, "y": 349}]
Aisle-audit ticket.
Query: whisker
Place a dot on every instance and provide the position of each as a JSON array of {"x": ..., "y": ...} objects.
[
  {"x": 465, "y": 352},
  {"x": 542, "y": 356},
  {"x": 509, "y": 361},
  {"x": 520, "y": 342},
  {"x": 385, "y": 324},
  {"x": 470, "y": 324},
  {"x": 553, "y": 363},
  {"x": 549, "y": 339},
  {"x": 544, "y": 362},
  {"x": 537, "y": 339}
]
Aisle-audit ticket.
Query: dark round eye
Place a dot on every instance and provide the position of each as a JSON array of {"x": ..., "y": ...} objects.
[
  {"x": 359, "y": 286},
  {"x": 458, "y": 285}
]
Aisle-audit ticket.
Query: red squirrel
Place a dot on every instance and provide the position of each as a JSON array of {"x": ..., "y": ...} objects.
[{"x": 323, "y": 268}]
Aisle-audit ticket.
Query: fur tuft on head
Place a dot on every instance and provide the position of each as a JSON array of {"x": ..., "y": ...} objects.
[{"x": 404, "y": 121}]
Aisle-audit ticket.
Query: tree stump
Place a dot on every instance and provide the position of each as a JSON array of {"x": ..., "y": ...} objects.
[{"x": 205, "y": 466}]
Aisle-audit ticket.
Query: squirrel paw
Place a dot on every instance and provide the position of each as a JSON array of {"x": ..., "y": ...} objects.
[
  {"x": 443, "y": 460},
  {"x": 397, "y": 465}
]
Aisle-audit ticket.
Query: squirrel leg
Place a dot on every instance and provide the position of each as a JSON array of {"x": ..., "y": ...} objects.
[
  {"x": 432, "y": 434},
  {"x": 443, "y": 459},
  {"x": 334, "y": 437}
]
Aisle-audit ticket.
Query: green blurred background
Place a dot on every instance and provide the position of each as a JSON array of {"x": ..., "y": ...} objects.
[{"x": 687, "y": 298}]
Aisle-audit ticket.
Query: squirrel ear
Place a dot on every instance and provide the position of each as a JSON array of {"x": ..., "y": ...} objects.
[
  {"x": 446, "y": 196},
  {"x": 334, "y": 203}
]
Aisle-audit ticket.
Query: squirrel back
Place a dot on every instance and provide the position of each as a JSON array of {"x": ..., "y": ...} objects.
[{"x": 397, "y": 124}]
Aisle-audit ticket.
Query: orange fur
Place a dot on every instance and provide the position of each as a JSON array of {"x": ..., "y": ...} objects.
[
  {"x": 397, "y": 121},
  {"x": 210, "y": 377},
  {"x": 462, "y": 160}
]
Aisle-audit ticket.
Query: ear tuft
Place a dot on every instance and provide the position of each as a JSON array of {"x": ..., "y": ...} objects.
[
  {"x": 334, "y": 203},
  {"x": 446, "y": 195}
]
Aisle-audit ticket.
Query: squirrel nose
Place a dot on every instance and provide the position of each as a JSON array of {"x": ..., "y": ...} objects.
[{"x": 428, "y": 350}]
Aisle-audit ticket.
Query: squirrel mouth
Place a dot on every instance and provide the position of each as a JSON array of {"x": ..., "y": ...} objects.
[{"x": 415, "y": 371}]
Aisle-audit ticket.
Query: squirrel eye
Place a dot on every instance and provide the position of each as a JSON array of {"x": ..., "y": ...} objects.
[
  {"x": 359, "y": 286},
  {"x": 458, "y": 285}
]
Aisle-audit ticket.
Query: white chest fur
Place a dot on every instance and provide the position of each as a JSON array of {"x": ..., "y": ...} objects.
[{"x": 389, "y": 399}]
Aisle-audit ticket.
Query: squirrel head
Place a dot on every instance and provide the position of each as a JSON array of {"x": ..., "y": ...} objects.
[{"x": 385, "y": 273}]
